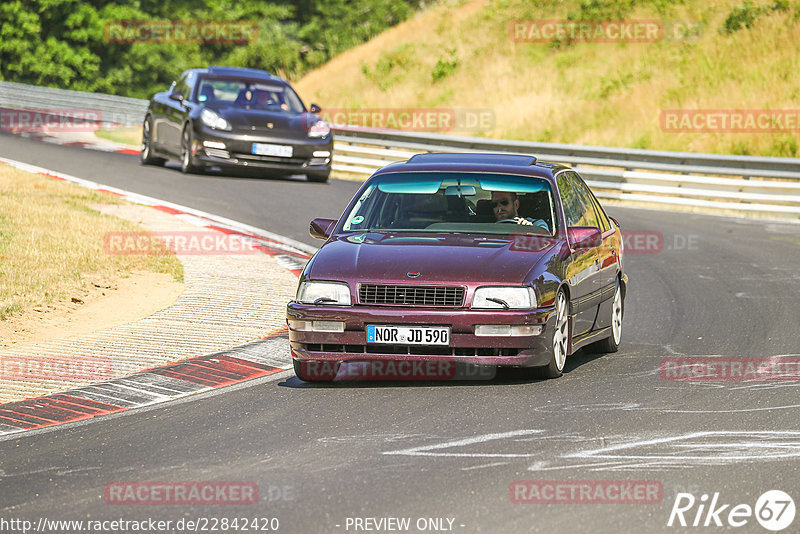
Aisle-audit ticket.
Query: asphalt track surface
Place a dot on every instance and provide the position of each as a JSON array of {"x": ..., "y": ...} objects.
[{"x": 720, "y": 287}]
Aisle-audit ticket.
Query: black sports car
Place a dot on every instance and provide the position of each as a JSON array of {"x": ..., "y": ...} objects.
[{"x": 234, "y": 117}]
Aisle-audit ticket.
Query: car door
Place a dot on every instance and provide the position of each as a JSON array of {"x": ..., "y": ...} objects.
[
  {"x": 583, "y": 266},
  {"x": 608, "y": 256},
  {"x": 175, "y": 112},
  {"x": 158, "y": 112}
]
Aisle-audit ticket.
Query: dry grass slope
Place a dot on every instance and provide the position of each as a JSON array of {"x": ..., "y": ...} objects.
[
  {"x": 461, "y": 55},
  {"x": 51, "y": 243}
]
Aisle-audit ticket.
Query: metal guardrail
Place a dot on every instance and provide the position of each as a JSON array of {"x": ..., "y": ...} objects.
[
  {"x": 737, "y": 183},
  {"x": 106, "y": 109}
]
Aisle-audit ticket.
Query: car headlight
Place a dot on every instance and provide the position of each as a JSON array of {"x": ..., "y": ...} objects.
[
  {"x": 504, "y": 298},
  {"x": 337, "y": 293},
  {"x": 319, "y": 129},
  {"x": 212, "y": 119}
]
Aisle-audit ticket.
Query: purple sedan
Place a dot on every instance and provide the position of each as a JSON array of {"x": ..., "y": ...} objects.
[{"x": 445, "y": 259}]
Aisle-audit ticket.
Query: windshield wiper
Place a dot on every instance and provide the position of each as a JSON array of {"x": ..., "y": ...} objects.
[{"x": 499, "y": 301}]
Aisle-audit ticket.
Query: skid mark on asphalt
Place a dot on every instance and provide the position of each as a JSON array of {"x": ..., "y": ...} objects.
[
  {"x": 551, "y": 452},
  {"x": 632, "y": 406},
  {"x": 708, "y": 448},
  {"x": 493, "y": 464},
  {"x": 370, "y": 438},
  {"x": 428, "y": 450}
]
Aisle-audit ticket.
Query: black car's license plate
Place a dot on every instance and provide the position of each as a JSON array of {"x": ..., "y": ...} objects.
[
  {"x": 266, "y": 149},
  {"x": 408, "y": 335}
]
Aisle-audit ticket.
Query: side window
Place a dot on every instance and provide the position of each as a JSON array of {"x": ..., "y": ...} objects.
[
  {"x": 588, "y": 213},
  {"x": 602, "y": 218},
  {"x": 572, "y": 208},
  {"x": 181, "y": 87},
  {"x": 601, "y": 215},
  {"x": 185, "y": 84},
  {"x": 578, "y": 208},
  {"x": 190, "y": 82}
]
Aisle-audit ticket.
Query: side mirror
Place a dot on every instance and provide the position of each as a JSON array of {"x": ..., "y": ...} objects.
[
  {"x": 314, "y": 108},
  {"x": 322, "y": 228},
  {"x": 583, "y": 237}
]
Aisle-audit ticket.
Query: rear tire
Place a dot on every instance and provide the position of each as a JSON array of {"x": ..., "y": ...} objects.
[
  {"x": 611, "y": 343},
  {"x": 146, "y": 156}
]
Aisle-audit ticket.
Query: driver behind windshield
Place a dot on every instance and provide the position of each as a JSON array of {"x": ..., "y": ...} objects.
[
  {"x": 505, "y": 206},
  {"x": 266, "y": 100}
]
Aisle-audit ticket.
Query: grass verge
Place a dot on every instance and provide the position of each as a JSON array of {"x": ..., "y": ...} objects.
[
  {"x": 51, "y": 242},
  {"x": 131, "y": 135}
]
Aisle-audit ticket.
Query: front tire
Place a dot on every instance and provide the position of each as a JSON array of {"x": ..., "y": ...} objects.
[
  {"x": 560, "y": 339},
  {"x": 320, "y": 177},
  {"x": 188, "y": 163},
  {"x": 611, "y": 343},
  {"x": 146, "y": 156}
]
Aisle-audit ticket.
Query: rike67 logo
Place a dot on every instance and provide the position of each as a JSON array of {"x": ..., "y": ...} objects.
[{"x": 774, "y": 510}]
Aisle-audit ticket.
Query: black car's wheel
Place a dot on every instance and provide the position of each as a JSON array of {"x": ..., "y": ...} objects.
[
  {"x": 611, "y": 343},
  {"x": 560, "y": 340},
  {"x": 146, "y": 155},
  {"x": 188, "y": 162},
  {"x": 318, "y": 176},
  {"x": 315, "y": 371}
]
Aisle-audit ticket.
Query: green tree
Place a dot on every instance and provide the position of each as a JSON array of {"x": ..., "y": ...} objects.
[{"x": 65, "y": 43}]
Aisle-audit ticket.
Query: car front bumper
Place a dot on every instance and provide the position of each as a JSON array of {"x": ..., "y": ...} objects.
[
  {"x": 237, "y": 151},
  {"x": 464, "y": 346}
]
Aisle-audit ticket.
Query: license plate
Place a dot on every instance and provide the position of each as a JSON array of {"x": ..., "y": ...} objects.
[
  {"x": 264, "y": 149},
  {"x": 408, "y": 335}
]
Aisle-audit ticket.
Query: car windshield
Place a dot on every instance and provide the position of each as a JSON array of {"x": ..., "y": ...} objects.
[
  {"x": 454, "y": 203},
  {"x": 249, "y": 94}
]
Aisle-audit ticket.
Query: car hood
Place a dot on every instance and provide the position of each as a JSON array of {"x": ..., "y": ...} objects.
[
  {"x": 450, "y": 258},
  {"x": 259, "y": 120}
]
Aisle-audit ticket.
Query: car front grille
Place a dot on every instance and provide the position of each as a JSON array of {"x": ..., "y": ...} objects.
[
  {"x": 446, "y": 296},
  {"x": 269, "y": 159}
]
